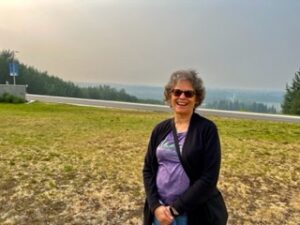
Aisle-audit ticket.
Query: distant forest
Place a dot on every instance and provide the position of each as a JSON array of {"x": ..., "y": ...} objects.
[
  {"x": 42, "y": 83},
  {"x": 240, "y": 106}
]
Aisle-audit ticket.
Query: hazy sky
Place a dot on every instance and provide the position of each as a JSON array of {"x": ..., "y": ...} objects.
[{"x": 241, "y": 43}]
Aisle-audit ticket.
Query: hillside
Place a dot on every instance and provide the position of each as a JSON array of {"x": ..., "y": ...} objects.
[
  {"x": 42, "y": 83},
  {"x": 62, "y": 164}
]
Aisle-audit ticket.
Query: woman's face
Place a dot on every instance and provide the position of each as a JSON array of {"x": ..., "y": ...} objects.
[{"x": 183, "y": 103}]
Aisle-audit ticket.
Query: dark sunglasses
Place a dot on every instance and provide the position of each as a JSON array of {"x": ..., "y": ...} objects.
[{"x": 178, "y": 92}]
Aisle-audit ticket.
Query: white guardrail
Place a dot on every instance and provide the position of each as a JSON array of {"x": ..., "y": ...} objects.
[{"x": 163, "y": 108}]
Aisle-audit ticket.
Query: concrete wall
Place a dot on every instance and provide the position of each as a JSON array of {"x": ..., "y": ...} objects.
[{"x": 16, "y": 90}]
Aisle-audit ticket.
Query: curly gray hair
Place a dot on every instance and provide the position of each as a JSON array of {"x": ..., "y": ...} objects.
[{"x": 191, "y": 76}]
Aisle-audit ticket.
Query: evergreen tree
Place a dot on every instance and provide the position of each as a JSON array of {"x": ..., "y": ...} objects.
[
  {"x": 291, "y": 103},
  {"x": 5, "y": 59}
]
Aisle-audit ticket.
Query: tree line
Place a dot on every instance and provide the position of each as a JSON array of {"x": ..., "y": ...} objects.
[
  {"x": 240, "y": 106},
  {"x": 42, "y": 83}
]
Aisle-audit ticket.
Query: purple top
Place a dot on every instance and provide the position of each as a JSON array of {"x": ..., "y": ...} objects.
[{"x": 171, "y": 179}]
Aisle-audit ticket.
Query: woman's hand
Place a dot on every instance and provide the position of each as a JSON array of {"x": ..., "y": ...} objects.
[{"x": 163, "y": 215}]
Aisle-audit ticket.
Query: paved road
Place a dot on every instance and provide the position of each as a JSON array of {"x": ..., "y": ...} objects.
[{"x": 149, "y": 107}]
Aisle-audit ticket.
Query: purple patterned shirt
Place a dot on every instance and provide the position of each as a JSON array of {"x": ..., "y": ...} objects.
[{"x": 171, "y": 180}]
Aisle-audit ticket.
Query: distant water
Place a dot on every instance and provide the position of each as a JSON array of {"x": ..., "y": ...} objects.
[{"x": 268, "y": 97}]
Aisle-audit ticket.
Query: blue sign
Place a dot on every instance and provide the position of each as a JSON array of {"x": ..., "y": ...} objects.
[{"x": 13, "y": 69}]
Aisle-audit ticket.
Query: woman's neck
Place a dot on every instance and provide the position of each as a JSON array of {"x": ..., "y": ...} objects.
[{"x": 182, "y": 122}]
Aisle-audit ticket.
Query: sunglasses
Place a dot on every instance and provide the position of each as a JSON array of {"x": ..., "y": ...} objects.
[{"x": 187, "y": 93}]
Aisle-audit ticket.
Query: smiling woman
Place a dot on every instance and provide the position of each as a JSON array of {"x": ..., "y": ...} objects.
[
  {"x": 182, "y": 163},
  {"x": 183, "y": 100},
  {"x": 190, "y": 79}
]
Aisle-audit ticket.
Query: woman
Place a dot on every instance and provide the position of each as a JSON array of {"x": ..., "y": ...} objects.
[{"x": 182, "y": 162}]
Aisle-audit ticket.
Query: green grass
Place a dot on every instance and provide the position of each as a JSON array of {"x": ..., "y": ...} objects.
[{"x": 62, "y": 164}]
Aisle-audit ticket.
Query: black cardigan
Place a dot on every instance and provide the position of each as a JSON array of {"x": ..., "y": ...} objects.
[{"x": 202, "y": 201}]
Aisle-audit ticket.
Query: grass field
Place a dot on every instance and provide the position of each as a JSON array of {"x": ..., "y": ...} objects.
[{"x": 62, "y": 164}]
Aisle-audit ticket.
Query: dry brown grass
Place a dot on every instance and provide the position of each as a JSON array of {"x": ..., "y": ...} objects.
[{"x": 64, "y": 164}]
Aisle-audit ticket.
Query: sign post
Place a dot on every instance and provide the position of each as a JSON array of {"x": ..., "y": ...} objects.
[{"x": 13, "y": 70}]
